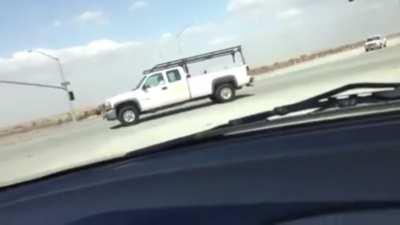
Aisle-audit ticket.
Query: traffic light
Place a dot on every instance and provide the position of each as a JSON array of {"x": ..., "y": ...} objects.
[{"x": 71, "y": 95}]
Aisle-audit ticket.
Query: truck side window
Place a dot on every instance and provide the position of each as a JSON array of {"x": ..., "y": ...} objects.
[
  {"x": 155, "y": 80},
  {"x": 173, "y": 76}
]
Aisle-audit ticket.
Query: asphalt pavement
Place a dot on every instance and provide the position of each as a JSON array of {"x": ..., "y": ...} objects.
[{"x": 42, "y": 152}]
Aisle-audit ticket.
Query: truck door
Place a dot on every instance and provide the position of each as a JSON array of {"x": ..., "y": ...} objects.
[
  {"x": 154, "y": 92},
  {"x": 177, "y": 87}
]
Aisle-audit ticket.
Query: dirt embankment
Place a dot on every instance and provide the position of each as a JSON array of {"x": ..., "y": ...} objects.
[
  {"x": 303, "y": 58},
  {"x": 48, "y": 122},
  {"x": 91, "y": 112},
  {"x": 310, "y": 57}
]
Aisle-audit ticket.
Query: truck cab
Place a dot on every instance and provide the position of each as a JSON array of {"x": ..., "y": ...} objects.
[{"x": 164, "y": 88}]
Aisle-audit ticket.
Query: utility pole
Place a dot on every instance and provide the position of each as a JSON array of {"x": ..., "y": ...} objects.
[
  {"x": 178, "y": 37},
  {"x": 64, "y": 83}
]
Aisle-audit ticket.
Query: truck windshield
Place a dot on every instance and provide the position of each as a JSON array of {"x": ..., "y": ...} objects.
[
  {"x": 374, "y": 38},
  {"x": 140, "y": 83}
]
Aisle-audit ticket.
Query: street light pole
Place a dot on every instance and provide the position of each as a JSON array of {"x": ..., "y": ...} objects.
[
  {"x": 64, "y": 82},
  {"x": 178, "y": 37}
]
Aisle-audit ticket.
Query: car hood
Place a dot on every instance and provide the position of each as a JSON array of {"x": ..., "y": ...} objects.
[{"x": 122, "y": 97}]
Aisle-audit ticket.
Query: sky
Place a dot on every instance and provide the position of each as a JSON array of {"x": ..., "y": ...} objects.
[{"x": 105, "y": 45}]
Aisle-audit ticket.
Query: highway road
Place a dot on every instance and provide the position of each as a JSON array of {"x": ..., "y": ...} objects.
[{"x": 38, "y": 153}]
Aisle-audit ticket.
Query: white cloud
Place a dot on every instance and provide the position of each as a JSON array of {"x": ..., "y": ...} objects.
[
  {"x": 22, "y": 56},
  {"x": 56, "y": 23},
  {"x": 138, "y": 5},
  {"x": 23, "y": 59},
  {"x": 97, "y": 17},
  {"x": 222, "y": 40},
  {"x": 166, "y": 36},
  {"x": 94, "y": 48},
  {"x": 238, "y": 5},
  {"x": 288, "y": 14},
  {"x": 20, "y": 60},
  {"x": 199, "y": 29}
]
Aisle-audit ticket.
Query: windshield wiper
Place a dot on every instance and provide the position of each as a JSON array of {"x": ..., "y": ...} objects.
[{"x": 329, "y": 100}]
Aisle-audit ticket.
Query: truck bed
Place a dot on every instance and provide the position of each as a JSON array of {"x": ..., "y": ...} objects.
[{"x": 200, "y": 85}]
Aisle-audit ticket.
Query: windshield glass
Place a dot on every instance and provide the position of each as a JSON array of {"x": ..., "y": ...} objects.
[
  {"x": 65, "y": 67},
  {"x": 140, "y": 83},
  {"x": 155, "y": 80},
  {"x": 374, "y": 38}
]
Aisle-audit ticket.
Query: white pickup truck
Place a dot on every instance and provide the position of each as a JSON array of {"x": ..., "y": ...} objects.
[{"x": 169, "y": 84}]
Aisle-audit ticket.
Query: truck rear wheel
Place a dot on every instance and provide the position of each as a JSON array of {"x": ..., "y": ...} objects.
[
  {"x": 128, "y": 115},
  {"x": 224, "y": 93}
]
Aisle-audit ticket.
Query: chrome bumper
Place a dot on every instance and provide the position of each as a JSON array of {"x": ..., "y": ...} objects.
[
  {"x": 372, "y": 46},
  {"x": 251, "y": 82}
]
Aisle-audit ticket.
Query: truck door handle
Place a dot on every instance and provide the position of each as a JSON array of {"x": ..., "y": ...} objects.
[{"x": 165, "y": 88}]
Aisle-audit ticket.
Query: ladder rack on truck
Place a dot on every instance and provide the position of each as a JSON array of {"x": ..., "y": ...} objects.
[
  {"x": 199, "y": 58},
  {"x": 169, "y": 84}
]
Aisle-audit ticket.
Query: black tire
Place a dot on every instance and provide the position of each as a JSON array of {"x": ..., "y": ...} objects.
[
  {"x": 212, "y": 98},
  {"x": 224, "y": 93},
  {"x": 128, "y": 115}
]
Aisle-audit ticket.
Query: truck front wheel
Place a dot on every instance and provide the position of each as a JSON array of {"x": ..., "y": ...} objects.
[
  {"x": 128, "y": 115},
  {"x": 224, "y": 93}
]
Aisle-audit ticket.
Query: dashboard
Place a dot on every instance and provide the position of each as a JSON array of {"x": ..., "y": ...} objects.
[{"x": 344, "y": 171}]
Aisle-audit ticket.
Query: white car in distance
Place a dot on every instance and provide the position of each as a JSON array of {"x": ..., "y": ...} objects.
[{"x": 375, "y": 42}]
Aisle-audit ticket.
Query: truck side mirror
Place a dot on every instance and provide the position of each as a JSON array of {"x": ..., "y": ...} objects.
[{"x": 145, "y": 87}]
